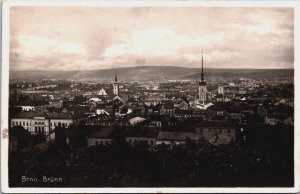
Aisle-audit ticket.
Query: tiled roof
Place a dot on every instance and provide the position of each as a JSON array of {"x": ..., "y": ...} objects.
[
  {"x": 102, "y": 133},
  {"x": 227, "y": 123},
  {"x": 30, "y": 114},
  {"x": 48, "y": 115},
  {"x": 141, "y": 133},
  {"x": 168, "y": 104}
]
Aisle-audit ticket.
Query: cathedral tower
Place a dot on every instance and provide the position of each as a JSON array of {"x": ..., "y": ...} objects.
[{"x": 202, "y": 87}]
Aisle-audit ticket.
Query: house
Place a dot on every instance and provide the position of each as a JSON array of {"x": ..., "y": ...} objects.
[
  {"x": 153, "y": 109},
  {"x": 100, "y": 109},
  {"x": 219, "y": 97},
  {"x": 190, "y": 112},
  {"x": 220, "y": 108},
  {"x": 118, "y": 98},
  {"x": 45, "y": 121},
  {"x": 181, "y": 104},
  {"x": 137, "y": 136},
  {"x": 34, "y": 106},
  {"x": 167, "y": 108},
  {"x": 136, "y": 120},
  {"x": 95, "y": 99},
  {"x": 218, "y": 132},
  {"x": 102, "y": 137},
  {"x": 102, "y": 92},
  {"x": 27, "y": 107},
  {"x": 123, "y": 110},
  {"x": 153, "y": 99},
  {"x": 234, "y": 112},
  {"x": 155, "y": 123},
  {"x": 170, "y": 138},
  {"x": 56, "y": 104},
  {"x": 32, "y": 121}
]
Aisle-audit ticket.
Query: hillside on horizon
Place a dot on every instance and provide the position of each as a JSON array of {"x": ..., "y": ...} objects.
[{"x": 150, "y": 73}]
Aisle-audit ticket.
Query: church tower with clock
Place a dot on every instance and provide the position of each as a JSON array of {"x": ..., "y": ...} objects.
[{"x": 116, "y": 85}]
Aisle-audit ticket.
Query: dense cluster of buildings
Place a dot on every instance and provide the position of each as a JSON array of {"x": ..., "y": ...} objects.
[{"x": 153, "y": 115}]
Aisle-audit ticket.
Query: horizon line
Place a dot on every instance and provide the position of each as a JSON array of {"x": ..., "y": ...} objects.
[{"x": 156, "y": 66}]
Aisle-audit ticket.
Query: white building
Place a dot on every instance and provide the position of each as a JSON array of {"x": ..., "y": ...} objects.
[
  {"x": 44, "y": 122},
  {"x": 102, "y": 92}
]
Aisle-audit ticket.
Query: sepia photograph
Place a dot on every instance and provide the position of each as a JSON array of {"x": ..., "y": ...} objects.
[{"x": 148, "y": 96}]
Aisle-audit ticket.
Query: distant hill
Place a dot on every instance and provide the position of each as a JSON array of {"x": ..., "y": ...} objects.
[
  {"x": 148, "y": 73},
  {"x": 269, "y": 74}
]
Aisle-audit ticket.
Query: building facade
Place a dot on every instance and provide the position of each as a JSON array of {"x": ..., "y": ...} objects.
[{"x": 42, "y": 122}]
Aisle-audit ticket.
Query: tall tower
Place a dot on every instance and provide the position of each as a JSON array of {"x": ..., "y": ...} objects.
[
  {"x": 221, "y": 90},
  {"x": 202, "y": 86},
  {"x": 116, "y": 85}
]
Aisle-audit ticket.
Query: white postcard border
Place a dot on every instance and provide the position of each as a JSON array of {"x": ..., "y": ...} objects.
[{"x": 188, "y": 3}]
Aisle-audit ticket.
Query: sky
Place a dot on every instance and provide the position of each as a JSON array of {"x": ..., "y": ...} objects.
[{"x": 75, "y": 38}]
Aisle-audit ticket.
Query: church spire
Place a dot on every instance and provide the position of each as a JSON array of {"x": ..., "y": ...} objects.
[
  {"x": 202, "y": 73},
  {"x": 116, "y": 85}
]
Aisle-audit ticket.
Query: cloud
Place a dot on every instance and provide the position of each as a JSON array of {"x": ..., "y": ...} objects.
[
  {"x": 96, "y": 38},
  {"x": 160, "y": 42},
  {"x": 36, "y": 46},
  {"x": 153, "y": 42}
]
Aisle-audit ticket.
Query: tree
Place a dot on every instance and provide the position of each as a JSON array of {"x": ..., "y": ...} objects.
[
  {"x": 22, "y": 136},
  {"x": 38, "y": 138}
]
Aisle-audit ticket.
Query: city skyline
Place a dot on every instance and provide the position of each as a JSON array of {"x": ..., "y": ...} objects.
[{"x": 96, "y": 38}]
